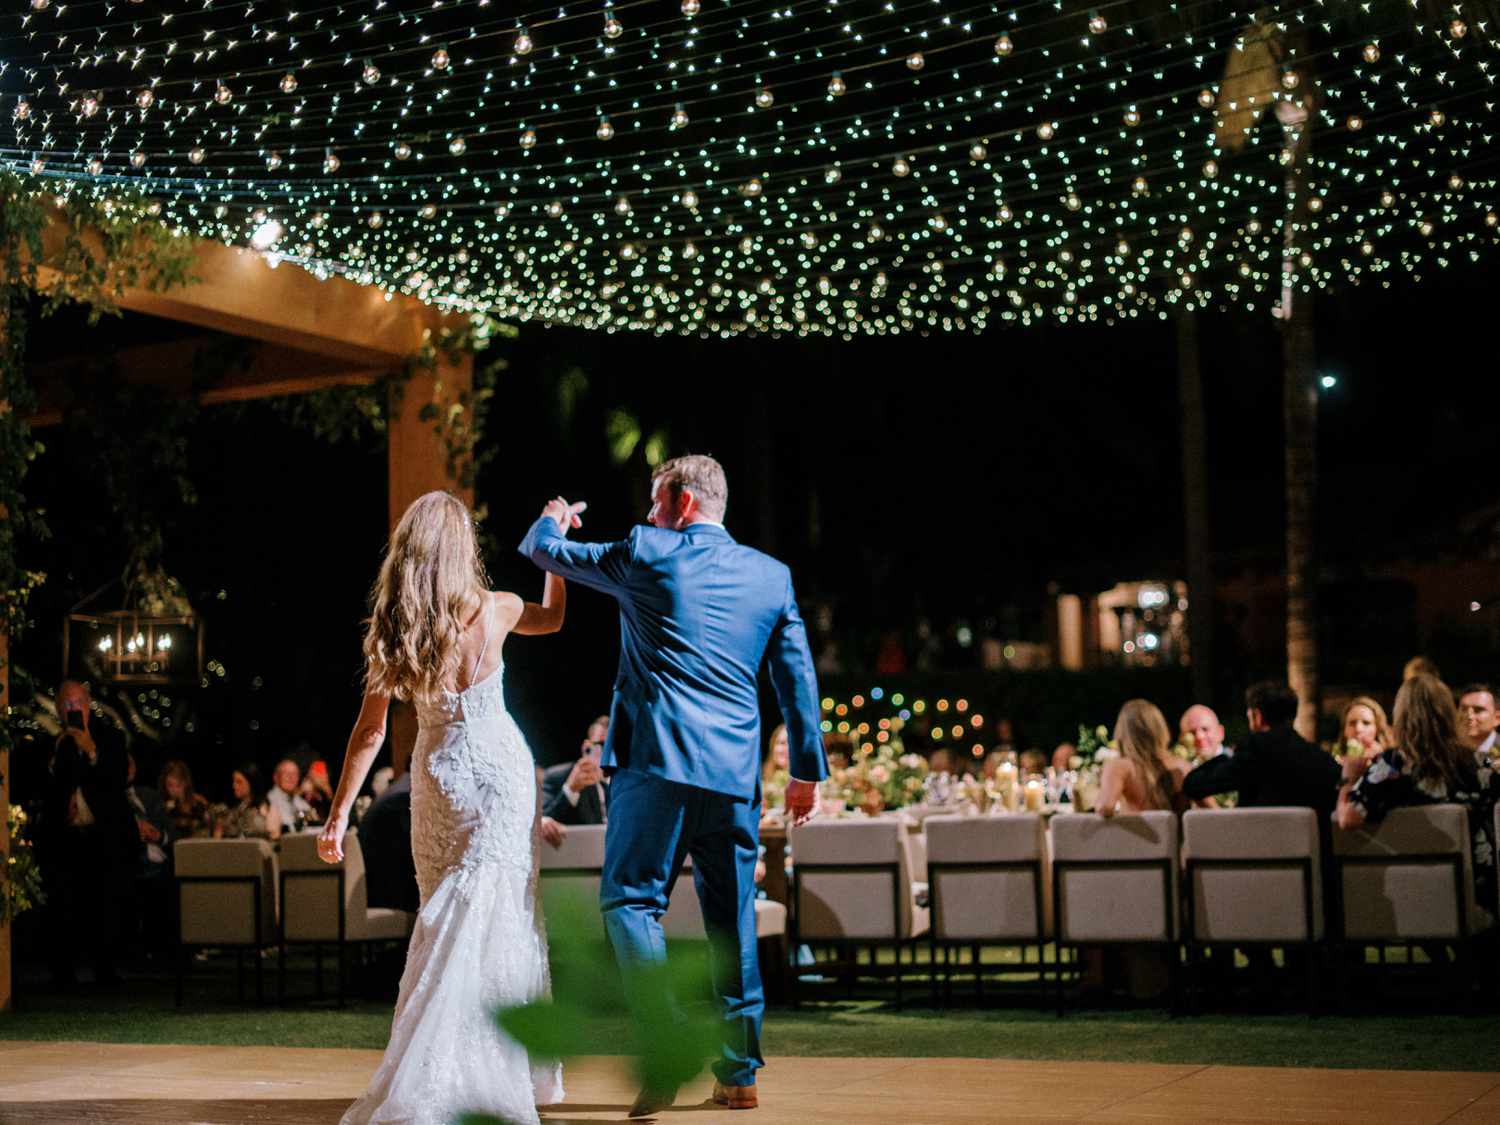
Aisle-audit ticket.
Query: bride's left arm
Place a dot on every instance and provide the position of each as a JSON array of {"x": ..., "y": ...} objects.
[
  {"x": 535, "y": 620},
  {"x": 364, "y": 743}
]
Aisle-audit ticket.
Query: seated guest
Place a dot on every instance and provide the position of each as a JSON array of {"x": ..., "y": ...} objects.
[
  {"x": 385, "y": 840},
  {"x": 1364, "y": 724},
  {"x": 1476, "y": 718},
  {"x": 316, "y": 790},
  {"x": 288, "y": 804},
  {"x": 187, "y": 810},
  {"x": 577, "y": 792},
  {"x": 1146, "y": 775},
  {"x": 381, "y": 780},
  {"x": 778, "y": 757},
  {"x": 1062, "y": 759},
  {"x": 836, "y": 749},
  {"x": 1427, "y": 765},
  {"x": 250, "y": 813},
  {"x": 1201, "y": 730},
  {"x": 1275, "y": 765},
  {"x": 153, "y": 872},
  {"x": 1033, "y": 761},
  {"x": 940, "y": 761}
]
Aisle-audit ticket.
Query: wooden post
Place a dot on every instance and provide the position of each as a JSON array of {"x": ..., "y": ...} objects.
[
  {"x": 417, "y": 456},
  {"x": 5, "y": 927}
]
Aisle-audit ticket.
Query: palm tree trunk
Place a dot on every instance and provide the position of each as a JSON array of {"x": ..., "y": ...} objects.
[
  {"x": 1195, "y": 506},
  {"x": 1300, "y": 407}
]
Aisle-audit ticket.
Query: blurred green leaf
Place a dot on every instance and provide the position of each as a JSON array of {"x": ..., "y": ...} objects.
[
  {"x": 546, "y": 1030},
  {"x": 623, "y": 432}
]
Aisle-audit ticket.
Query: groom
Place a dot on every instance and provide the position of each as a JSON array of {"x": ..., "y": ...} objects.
[{"x": 699, "y": 614}]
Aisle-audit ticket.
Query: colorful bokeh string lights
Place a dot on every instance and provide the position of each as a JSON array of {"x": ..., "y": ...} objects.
[{"x": 798, "y": 166}]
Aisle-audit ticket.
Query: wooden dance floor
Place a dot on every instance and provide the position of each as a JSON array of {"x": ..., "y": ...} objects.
[{"x": 97, "y": 1083}]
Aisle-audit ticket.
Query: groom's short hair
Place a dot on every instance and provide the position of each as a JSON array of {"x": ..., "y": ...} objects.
[{"x": 700, "y": 475}]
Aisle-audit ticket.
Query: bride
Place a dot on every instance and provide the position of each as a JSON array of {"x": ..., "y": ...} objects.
[{"x": 434, "y": 637}]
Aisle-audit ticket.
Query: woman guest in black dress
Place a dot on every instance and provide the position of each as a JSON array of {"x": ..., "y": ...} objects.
[{"x": 1427, "y": 765}]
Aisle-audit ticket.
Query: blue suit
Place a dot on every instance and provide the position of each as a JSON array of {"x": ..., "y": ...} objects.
[{"x": 699, "y": 615}]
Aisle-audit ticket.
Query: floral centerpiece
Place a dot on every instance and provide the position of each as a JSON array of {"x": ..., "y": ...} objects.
[
  {"x": 880, "y": 776},
  {"x": 1095, "y": 747},
  {"x": 21, "y": 881}
]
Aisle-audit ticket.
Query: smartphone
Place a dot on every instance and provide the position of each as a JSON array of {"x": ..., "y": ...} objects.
[
  {"x": 595, "y": 751},
  {"x": 75, "y": 720}
]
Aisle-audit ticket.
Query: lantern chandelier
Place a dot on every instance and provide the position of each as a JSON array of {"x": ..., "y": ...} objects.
[{"x": 702, "y": 166}]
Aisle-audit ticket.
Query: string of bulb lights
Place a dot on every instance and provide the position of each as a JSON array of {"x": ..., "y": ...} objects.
[{"x": 815, "y": 166}]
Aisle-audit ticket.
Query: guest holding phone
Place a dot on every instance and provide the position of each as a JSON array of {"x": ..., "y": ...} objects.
[
  {"x": 578, "y": 792},
  {"x": 89, "y": 839}
]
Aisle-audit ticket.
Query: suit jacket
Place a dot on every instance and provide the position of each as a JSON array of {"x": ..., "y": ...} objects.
[
  {"x": 385, "y": 839},
  {"x": 699, "y": 615},
  {"x": 102, "y": 783},
  {"x": 555, "y": 803},
  {"x": 1271, "y": 767},
  {"x": 156, "y": 815}
]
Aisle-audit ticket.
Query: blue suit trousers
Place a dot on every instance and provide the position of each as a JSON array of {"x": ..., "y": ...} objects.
[{"x": 653, "y": 824}]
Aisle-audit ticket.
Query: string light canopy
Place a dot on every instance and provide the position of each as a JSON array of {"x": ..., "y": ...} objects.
[{"x": 833, "y": 166}]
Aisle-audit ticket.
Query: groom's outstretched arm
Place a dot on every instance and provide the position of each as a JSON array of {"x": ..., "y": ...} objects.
[
  {"x": 601, "y": 566},
  {"x": 796, "y": 687}
]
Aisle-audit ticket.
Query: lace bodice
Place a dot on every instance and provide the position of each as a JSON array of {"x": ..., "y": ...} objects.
[{"x": 479, "y": 941}]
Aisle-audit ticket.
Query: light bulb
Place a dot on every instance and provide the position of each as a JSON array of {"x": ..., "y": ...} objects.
[
  {"x": 403, "y": 150},
  {"x": 144, "y": 97},
  {"x": 370, "y": 74},
  {"x": 764, "y": 98},
  {"x": 267, "y": 235},
  {"x": 901, "y": 166},
  {"x": 836, "y": 85},
  {"x": 376, "y": 220},
  {"x": 605, "y": 130},
  {"x": 457, "y": 146},
  {"x": 331, "y": 162},
  {"x": 915, "y": 61},
  {"x": 691, "y": 7},
  {"x": 523, "y": 43},
  {"x": 1046, "y": 130},
  {"x": 441, "y": 59},
  {"x": 1132, "y": 116},
  {"x": 833, "y": 175},
  {"x": 1003, "y": 46},
  {"x": 690, "y": 199},
  {"x": 1371, "y": 52},
  {"x": 978, "y": 152},
  {"x": 1098, "y": 25},
  {"x": 273, "y": 161},
  {"x": 137, "y": 159},
  {"x": 679, "y": 117},
  {"x": 528, "y": 138},
  {"x": 196, "y": 154},
  {"x": 223, "y": 94},
  {"x": 612, "y": 27}
]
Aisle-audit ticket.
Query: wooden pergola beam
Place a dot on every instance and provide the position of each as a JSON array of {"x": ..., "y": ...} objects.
[
  {"x": 178, "y": 367},
  {"x": 245, "y": 293}
]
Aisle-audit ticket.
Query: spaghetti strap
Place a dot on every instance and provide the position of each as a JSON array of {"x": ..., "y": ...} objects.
[{"x": 484, "y": 615}]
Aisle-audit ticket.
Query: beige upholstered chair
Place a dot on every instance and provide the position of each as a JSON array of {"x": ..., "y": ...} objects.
[
  {"x": 226, "y": 894},
  {"x": 1408, "y": 879},
  {"x": 989, "y": 881},
  {"x": 1253, "y": 877},
  {"x": 1114, "y": 882},
  {"x": 852, "y": 886},
  {"x": 328, "y": 904}
]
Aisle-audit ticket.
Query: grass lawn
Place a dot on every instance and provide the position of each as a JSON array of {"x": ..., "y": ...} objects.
[{"x": 142, "y": 1012}]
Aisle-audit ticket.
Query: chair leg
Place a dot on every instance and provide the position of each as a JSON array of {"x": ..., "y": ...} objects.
[
  {"x": 239, "y": 974},
  {"x": 1059, "y": 967},
  {"x": 898, "y": 977},
  {"x": 181, "y": 971},
  {"x": 281, "y": 974},
  {"x": 318, "y": 970},
  {"x": 260, "y": 978},
  {"x": 978, "y": 973},
  {"x": 343, "y": 959}
]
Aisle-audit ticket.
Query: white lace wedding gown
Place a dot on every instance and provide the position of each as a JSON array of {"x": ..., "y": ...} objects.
[{"x": 479, "y": 941}]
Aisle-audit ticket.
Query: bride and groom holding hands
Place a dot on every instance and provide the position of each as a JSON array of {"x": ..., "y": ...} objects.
[{"x": 699, "y": 614}]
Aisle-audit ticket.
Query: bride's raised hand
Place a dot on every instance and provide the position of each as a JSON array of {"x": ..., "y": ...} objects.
[{"x": 331, "y": 839}]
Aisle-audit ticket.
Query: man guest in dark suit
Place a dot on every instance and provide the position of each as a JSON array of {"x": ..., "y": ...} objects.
[
  {"x": 1275, "y": 765},
  {"x": 89, "y": 839},
  {"x": 385, "y": 829},
  {"x": 578, "y": 792}
]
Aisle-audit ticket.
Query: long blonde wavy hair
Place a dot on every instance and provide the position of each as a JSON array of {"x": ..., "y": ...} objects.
[
  {"x": 1142, "y": 734},
  {"x": 431, "y": 583}
]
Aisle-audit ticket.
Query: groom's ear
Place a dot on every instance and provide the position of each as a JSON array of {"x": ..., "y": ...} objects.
[{"x": 687, "y": 503}]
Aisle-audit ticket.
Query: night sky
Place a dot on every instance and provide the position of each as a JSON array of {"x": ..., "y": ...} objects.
[{"x": 946, "y": 476}]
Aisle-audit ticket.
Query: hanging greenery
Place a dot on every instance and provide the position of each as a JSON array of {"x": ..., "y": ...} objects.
[{"x": 62, "y": 250}]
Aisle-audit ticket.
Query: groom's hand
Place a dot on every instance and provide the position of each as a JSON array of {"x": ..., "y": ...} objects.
[
  {"x": 565, "y": 515},
  {"x": 801, "y": 800}
]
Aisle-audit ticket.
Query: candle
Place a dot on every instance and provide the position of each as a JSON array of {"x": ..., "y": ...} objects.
[{"x": 1035, "y": 791}]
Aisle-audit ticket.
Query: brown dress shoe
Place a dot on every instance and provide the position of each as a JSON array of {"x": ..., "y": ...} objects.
[{"x": 736, "y": 1097}]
